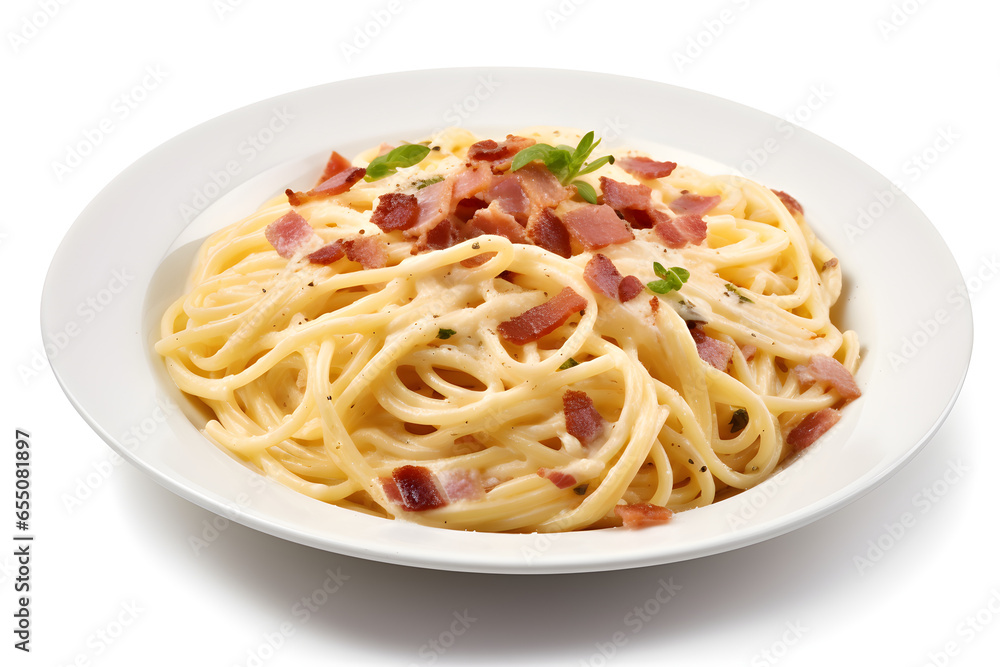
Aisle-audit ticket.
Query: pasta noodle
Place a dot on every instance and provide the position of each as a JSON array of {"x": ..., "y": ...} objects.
[{"x": 332, "y": 378}]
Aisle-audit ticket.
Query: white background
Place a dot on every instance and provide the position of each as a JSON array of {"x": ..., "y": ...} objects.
[{"x": 115, "y": 580}]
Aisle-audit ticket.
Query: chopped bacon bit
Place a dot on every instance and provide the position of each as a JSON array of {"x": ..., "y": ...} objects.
[
  {"x": 466, "y": 208},
  {"x": 644, "y": 167},
  {"x": 443, "y": 235},
  {"x": 812, "y": 427},
  {"x": 494, "y": 220},
  {"x": 654, "y": 304},
  {"x": 639, "y": 218},
  {"x": 366, "y": 251},
  {"x": 328, "y": 254},
  {"x": 391, "y": 490},
  {"x": 748, "y": 351},
  {"x": 642, "y": 515},
  {"x": 715, "y": 352},
  {"x": 560, "y": 479},
  {"x": 289, "y": 233},
  {"x": 472, "y": 181},
  {"x": 337, "y": 184},
  {"x": 583, "y": 421},
  {"x": 417, "y": 488},
  {"x": 790, "y": 202},
  {"x": 621, "y": 196},
  {"x": 506, "y": 190},
  {"x": 629, "y": 288},
  {"x": 694, "y": 204},
  {"x": 435, "y": 202},
  {"x": 541, "y": 186},
  {"x": 464, "y": 484},
  {"x": 334, "y": 165},
  {"x": 681, "y": 230},
  {"x": 602, "y": 276},
  {"x": 596, "y": 226},
  {"x": 548, "y": 231},
  {"x": 541, "y": 320},
  {"x": 827, "y": 369},
  {"x": 499, "y": 155},
  {"x": 396, "y": 210}
]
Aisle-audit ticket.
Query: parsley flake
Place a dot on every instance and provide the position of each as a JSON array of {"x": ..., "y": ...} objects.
[{"x": 445, "y": 334}]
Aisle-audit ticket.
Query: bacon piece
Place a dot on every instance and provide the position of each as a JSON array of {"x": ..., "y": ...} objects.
[
  {"x": 334, "y": 165},
  {"x": 679, "y": 231},
  {"x": 494, "y": 220},
  {"x": 629, "y": 288},
  {"x": 472, "y": 181},
  {"x": 716, "y": 352},
  {"x": 642, "y": 515},
  {"x": 391, "y": 490},
  {"x": 506, "y": 190},
  {"x": 812, "y": 427},
  {"x": 417, "y": 488},
  {"x": 583, "y": 421},
  {"x": 289, "y": 233},
  {"x": 498, "y": 155},
  {"x": 690, "y": 203},
  {"x": 644, "y": 167},
  {"x": 748, "y": 351},
  {"x": 463, "y": 484},
  {"x": 560, "y": 479},
  {"x": 790, "y": 202},
  {"x": 328, "y": 254},
  {"x": 337, "y": 184},
  {"x": 547, "y": 231},
  {"x": 602, "y": 276},
  {"x": 827, "y": 369},
  {"x": 541, "y": 320},
  {"x": 443, "y": 235},
  {"x": 622, "y": 196},
  {"x": 396, "y": 210},
  {"x": 435, "y": 204},
  {"x": 466, "y": 208},
  {"x": 366, "y": 251},
  {"x": 541, "y": 186},
  {"x": 596, "y": 226}
]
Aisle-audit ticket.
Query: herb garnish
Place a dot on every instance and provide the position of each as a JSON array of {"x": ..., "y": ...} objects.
[
  {"x": 406, "y": 155},
  {"x": 739, "y": 421},
  {"x": 445, "y": 334},
  {"x": 569, "y": 363},
  {"x": 566, "y": 162},
  {"x": 732, "y": 288},
  {"x": 429, "y": 181},
  {"x": 670, "y": 279}
]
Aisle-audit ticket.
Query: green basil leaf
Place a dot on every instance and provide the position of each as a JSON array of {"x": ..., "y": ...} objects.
[
  {"x": 583, "y": 150},
  {"x": 597, "y": 164},
  {"x": 659, "y": 270},
  {"x": 586, "y": 191},
  {"x": 400, "y": 157},
  {"x": 531, "y": 153}
]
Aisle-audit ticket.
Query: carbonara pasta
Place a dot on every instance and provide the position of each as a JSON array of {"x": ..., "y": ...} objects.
[{"x": 451, "y": 333}]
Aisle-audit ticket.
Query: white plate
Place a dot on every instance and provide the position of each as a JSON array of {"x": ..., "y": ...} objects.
[{"x": 128, "y": 255}]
